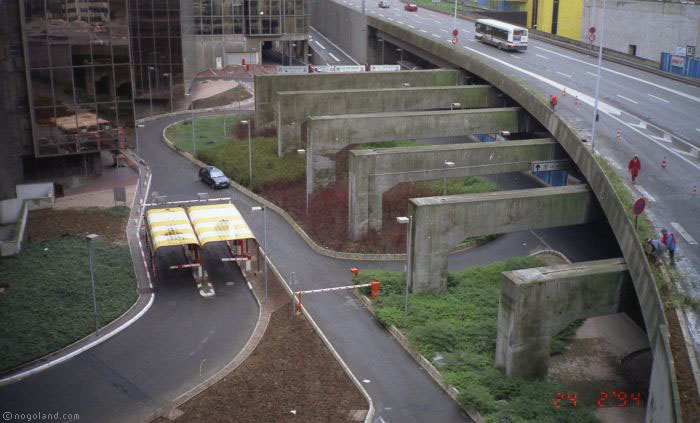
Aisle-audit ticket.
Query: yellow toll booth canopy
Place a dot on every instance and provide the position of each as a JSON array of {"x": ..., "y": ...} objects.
[
  {"x": 218, "y": 222},
  {"x": 169, "y": 226}
]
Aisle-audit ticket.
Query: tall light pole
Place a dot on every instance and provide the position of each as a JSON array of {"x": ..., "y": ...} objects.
[
  {"x": 447, "y": 165},
  {"x": 170, "y": 86},
  {"x": 194, "y": 144},
  {"x": 136, "y": 134},
  {"x": 597, "y": 80},
  {"x": 88, "y": 239},
  {"x": 150, "y": 93},
  {"x": 407, "y": 220},
  {"x": 262, "y": 208},
  {"x": 303, "y": 151},
  {"x": 454, "y": 23},
  {"x": 250, "y": 156}
]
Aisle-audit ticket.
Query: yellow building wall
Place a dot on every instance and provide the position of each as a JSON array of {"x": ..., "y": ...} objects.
[{"x": 570, "y": 17}]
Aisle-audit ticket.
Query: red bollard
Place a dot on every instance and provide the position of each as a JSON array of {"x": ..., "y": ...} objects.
[
  {"x": 374, "y": 289},
  {"x": 354, "y": 271}
]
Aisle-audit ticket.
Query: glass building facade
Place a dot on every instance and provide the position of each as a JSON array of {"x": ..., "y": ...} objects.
[
  {"x": 78, "y": 75},
  {"x": 249, "y": 17},
  {"x": 156, "y": 44}
]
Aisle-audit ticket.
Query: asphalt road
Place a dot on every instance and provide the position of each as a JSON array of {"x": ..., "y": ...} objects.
[
  {"x": 327, "y": 53},
  {"x": 657, "y": 117},
  {"x": 181, "y": 341}
]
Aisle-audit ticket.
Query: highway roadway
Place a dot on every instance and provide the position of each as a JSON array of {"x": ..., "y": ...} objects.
[{"x": 656, "y": 117}]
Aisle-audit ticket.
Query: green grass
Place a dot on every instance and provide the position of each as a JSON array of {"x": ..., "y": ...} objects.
[
  {"x": 461, "y": 326},
  {"x": 209, "y": 130},
  {"x": 268, "y": 168},
  {"x": 47, "y": 303}
]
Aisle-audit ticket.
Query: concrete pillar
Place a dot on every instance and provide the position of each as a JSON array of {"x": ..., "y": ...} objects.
[
  {"x": 440, "y": 223},
  {"x": 377, "y": 171},
  {"x": 538, "y": 303}
]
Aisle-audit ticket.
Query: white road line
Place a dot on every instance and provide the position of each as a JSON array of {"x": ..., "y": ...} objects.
[
  {"x": 333, "y": 56},
  {"x": 565, "y": 74},
  {"x": 399, "y": 22},
  {"x": 697, "y": 129},
  {"x": 625, "y": 98},
  {"x": 319, "y": 44},
  {"x": 684, "y": 234},
  {"x": 390, "y": 19},
  {"x": 443, "y": 30},
  {"x": 688, "y": 96},
  {"x": 515, "y": 56},
  {"x": 412, "y": 27},
  {"x": 645, "y": 193},
  {"x": 437, "y": 22},
  {"x": 541, "y": 56},
  {"x": 435, "y": 35},
  {"x": 658, "y": 98},
  {"x": 591, "y": 73},
  {"x": 422, "y": 30}
]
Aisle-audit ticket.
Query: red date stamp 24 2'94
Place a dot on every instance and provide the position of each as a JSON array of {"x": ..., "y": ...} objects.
[{"x": 606, "y": 399}]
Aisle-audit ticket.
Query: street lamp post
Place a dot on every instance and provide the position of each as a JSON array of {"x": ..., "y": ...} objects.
[
  {"x": 597, "y": 81},
  {"x": 444, "y": 176},
  {"x": 170, "y": 87},
  {"x": 88, "y": 239},
  {"x": 250, "y": 156},
  {"x": 136, "y": 134},
  {"x": 194, "y": 144},
  {"x": 303, "y": 151},
  {"x": 150, "y": 93},
  {"x": 262, "y": 208},
  {"x": 403, "y": 220}
]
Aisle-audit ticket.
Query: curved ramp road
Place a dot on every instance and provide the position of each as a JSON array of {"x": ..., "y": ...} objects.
[{"x": 657, "y": 117}]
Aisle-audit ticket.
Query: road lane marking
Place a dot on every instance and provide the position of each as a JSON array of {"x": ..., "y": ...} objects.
[
  {"x": 543, "y": 57},
  {"x": 399, "y": 22},
  {"x": 319, "y": 44},
  {"x": 658, "y": 98},
  {"x": 412, "y": 27},
  {"x": 333, "y": 56},
  {"x": 688, "y": 96},
  {"x": 645, "y": 193},
  {"x": 437, "y": 22},
  {"x": 628, "y": 99},
  {"x": 390, "y": 19},
  {"x": 565, "y": 74},
  {"x": 514, "y": 56},
  {"x": 422, "y": 30},
  {"x": 435, "y": 35},
  {"x": 684, "y": 234},
  {"x": 592, "y": 74},
  {"x": 443, "y": 30}
]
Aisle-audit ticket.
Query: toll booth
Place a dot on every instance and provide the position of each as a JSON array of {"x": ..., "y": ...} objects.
[{"x": 224, "y": 223}]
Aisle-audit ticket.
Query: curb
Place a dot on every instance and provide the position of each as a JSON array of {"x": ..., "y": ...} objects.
[
  {"x": 132, "y": 314},
  {"x": 197, "y": 111},
  {"x": 298, "y": 229},
  {"x": 450, "y": 390}
]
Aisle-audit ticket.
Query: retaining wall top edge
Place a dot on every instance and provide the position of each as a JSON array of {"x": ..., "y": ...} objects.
[
  {"x": 374, "y": 90},
  {"x": 452, "y": 147},
  {"x": 419, "y": 113},
  {"x": 499, "y": 195}
]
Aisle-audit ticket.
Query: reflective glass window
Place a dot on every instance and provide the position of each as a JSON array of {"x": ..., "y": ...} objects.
[
  {"x": 41, "y": 88},
  {"x": 63, "y": 86},
  {"x": 84, "y": 85},
  {"x": 104, "y": 83},
  {"x": 123, "y": 82}
]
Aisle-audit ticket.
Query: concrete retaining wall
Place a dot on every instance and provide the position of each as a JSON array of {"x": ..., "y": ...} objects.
[
  {"x": 442, "y": 222},
  {"x": 659, "y": 409},
  {"x": 326, "y": 135},
  {"x": 296, "y": 106},
  {"x": 267, "y": 86},
  {"x": 538, "y": 303},
  {"x": 373, "y": 172},
  {"x": 345, "y": 26}
]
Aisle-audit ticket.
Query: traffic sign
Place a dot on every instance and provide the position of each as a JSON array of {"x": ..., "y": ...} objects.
[
  {"x": 591, "y": 30},
  {"x": 639, "y": 206},
  {"x": 546, "y": 165},
  {"x": 454, "y": 40},
  {"x": 591, "y": 37},
  {"x": 455, "y": 32}
]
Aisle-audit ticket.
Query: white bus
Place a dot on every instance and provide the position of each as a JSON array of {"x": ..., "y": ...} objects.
[{"x": 500, "y": 34}]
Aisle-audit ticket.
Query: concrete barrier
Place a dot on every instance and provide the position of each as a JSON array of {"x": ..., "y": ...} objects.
[
  {"x": 294, "y": 107},
  {"x": 373, "y": 172},
  {"x": 326, "y": 135},
  {"x": 659, "y": 409},
  {"x": 267, "y": 86}
]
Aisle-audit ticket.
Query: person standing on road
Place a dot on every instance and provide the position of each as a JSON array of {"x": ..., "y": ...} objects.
[
  {"x": 664, "y": 237},
  {"x": 634, "y": 167},
  {"x": 671, "y": 248},
  {"x": 553, "y": 102},
  {"x": 657, "y": 248}
]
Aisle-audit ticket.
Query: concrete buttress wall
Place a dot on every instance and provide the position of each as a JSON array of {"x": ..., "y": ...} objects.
[
  {"x": 538, "y": 303},
  {"x": 267, "y": 86},
  {"x": 326, "y": 135},
  {"x": 373, "y": 172},
  {"x": 296, "y": 106},
  {"x": 440, "y": 223}
]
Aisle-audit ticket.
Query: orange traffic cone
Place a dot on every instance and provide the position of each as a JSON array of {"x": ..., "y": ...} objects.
[{"x": 664, "y": 163}]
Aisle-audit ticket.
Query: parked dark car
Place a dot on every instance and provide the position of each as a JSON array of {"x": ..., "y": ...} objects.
[
  {"x": 410, "y": 7},
  {"x": 214, "y": 177}
]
